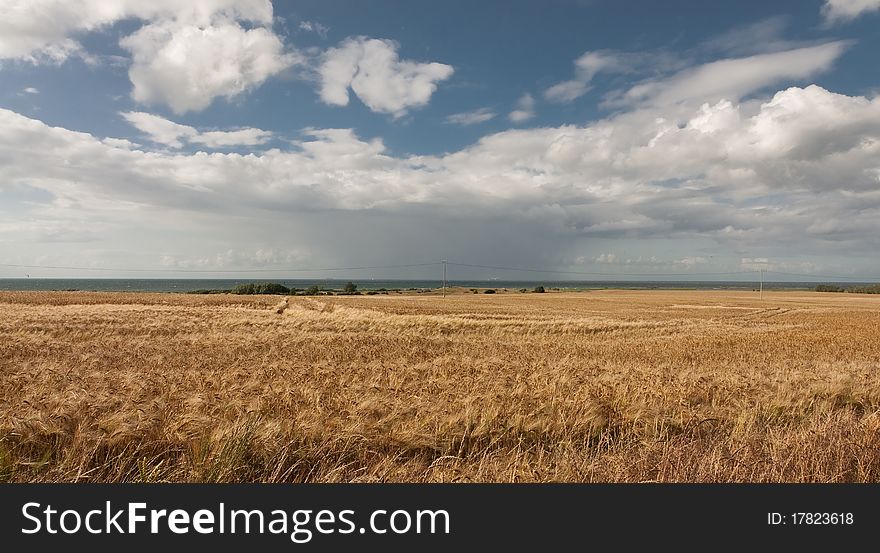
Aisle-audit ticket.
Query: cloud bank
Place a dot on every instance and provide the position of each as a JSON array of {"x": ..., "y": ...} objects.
[{"x": 798, "y": 170}]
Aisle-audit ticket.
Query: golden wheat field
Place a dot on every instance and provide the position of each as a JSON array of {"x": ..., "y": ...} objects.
[{"x": 611, "y": 386}]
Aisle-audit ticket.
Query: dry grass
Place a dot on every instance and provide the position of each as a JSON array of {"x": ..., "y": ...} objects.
[{"x": 596, "y": 386}]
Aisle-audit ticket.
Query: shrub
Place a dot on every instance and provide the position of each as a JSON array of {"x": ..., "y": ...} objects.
[
  {"x": 489, "y": 291},
  {"x": 871, "y": 289},
  {"x": 350, "y": 287},
  {"x": 538, "y": 290},
  {"x": 261, "y": 288},
  {"x": 828, "y": 288},
  {"x": 311, "y": 291}
]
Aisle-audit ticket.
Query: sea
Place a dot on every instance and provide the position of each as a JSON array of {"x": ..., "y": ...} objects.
[{"x": 185, "y": 285}]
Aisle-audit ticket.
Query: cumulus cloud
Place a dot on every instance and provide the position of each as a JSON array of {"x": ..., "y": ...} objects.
[
  {"x": 798, "y": 172},
  {"x": 45, "y": 30},
  {"x": 169, "y": 133},
  {"x": 525, "y": 109},
  {"x": 187, "y": 66},
  {"x": 38, "y": 31},
  {"x": 372, "y": 70},
  {"x": 471, "y": 117},
  {"x": 835, "y": 11},
  {"x": 31, "y": 90},
  {"x": 185, "y": 55}
]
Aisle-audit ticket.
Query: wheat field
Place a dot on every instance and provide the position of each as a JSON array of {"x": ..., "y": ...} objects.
[{"x": 597, "y": 386}]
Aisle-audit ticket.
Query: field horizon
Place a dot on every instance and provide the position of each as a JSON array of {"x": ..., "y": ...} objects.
[{"x": 598, "y": 386}]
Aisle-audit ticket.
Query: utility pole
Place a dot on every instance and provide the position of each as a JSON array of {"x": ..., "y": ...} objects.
[
  {"x": 761, "y": 293},
  {"x": 444, "y": 278}
]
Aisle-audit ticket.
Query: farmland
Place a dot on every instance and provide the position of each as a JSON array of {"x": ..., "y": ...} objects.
[{"x": 607, "y": 386}]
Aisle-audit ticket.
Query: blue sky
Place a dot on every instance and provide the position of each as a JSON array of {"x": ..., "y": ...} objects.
[{"x": 597, "y": 136}]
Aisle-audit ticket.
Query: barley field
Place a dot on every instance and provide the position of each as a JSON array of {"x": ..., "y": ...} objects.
[{"x": 607, "y": 386}]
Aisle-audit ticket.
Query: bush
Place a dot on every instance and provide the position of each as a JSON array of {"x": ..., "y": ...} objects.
[
  {"x": 311, "y": 291},
  {"x": 538, "y": 290},
  {"x": 828, "y": 288},
  {"x": 261, "y": 288},
  {"x": 872, "y": 289},
  {"x": 489, "y": 291},
  {"x": 350, "y": 287}
]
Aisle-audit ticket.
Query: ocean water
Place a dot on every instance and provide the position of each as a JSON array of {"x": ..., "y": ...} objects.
[{"x": 189, "y": 285}]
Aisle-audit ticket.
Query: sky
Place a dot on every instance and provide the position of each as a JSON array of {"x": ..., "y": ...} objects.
[{"x": 590, "y": 137}]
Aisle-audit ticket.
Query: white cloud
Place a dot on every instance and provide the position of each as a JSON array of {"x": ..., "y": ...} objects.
[
  {"x": 803, "y": 139},
  {"x": 798, "y": 172},
  {"x": 44, "y": 30},
  {"x": 120, "y": 143},
  {"x": 735, "y": 78},
  {"x": 566, "y": 91},
  {"x": 586, "y": 67},
  {"x": 761, "y": 36},
  {"x": 372, "y": 70},
  {"x": 314, "y": 27},
  {"x": 651, "y": 263},
  {"x": 784, "y": 266},
  {"x": 525, "y": 109},
  {"x": 234, "y": 259},
  {"x": 37, "y": 30},
  {"x": 31, "y": 90},
  {"x": 169, "y": 133},
  {"x": 187, "y": 66},
  {"x": 471, "y": 117},
  {"x": 846, "y": 10},
  {"x": 228, "y": 139},
  {"x": 185, "y": 55},
  {"x": 159, "y": 129}
]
